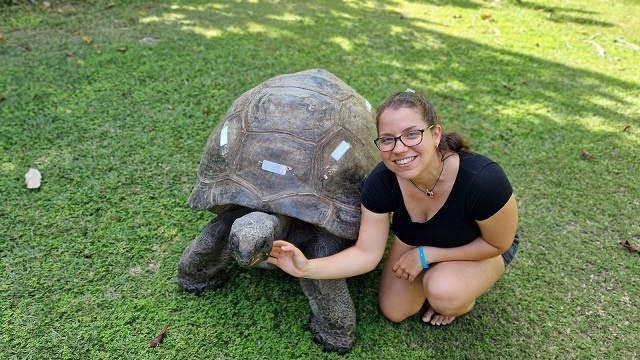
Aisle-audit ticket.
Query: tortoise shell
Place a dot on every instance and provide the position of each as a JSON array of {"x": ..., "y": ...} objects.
[{"x": 298, "y": 145}]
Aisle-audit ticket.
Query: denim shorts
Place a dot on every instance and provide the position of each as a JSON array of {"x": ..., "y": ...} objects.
[{"x": 508, "y": 255}]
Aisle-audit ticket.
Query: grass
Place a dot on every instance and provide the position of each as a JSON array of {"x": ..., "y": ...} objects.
[{"x": 117, "y": 127}]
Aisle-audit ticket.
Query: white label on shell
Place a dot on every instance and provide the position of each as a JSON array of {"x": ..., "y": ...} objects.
[
  {"x": 223, "y": 134},
  {"x": 367, "y": 104},
  {"x": 340, "y": 150},
  {"x": 274, "y": 167}
]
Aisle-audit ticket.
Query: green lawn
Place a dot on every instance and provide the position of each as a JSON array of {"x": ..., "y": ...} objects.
[{"x": 113, "y": 102}]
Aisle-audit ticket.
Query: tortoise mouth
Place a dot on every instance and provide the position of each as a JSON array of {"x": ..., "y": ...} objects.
[{"x": 252, "y": 261}]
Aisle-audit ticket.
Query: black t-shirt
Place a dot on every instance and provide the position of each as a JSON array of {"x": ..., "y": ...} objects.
[{"x": 481, "y": 188}]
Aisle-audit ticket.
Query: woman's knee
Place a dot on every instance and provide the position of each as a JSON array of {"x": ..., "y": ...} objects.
[
  {"x": 446, "y": 299},
  {"x": 393, "y": 311},
  {"x": 394, "y": 315}
]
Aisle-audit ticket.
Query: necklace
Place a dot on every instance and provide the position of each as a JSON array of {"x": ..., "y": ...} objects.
[{"x": 429, "y": 192}]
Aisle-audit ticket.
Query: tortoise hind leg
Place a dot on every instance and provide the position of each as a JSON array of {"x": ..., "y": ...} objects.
[
  {"x": 333, "y": 318},
  {"x": 202, "y": 264}
]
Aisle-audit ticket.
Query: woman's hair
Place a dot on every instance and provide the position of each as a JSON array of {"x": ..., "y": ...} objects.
[{"x": 450, "y": 141}]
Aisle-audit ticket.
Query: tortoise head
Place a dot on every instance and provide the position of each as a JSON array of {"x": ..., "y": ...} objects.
[{"x": 251, "y": 237}]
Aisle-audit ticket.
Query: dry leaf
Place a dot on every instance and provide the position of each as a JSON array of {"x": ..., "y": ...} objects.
[
  {"x": 27, "y": 48},
  {"x": 507, "y": 86},
  {"x": 80, "y": 62},
  {"x": 1, "y": 37},
  {"x": 2, "y": 98},
  {"x": 156, "y": 340},
  {"x": 123, "y": 49},
  {"x": 630, "y": 247},
  {"x": 626, "y": 128},
  {"x": 586, "y": 156},
  {"x": 87, "y": 40},
  {"x": 88, "y": 255},
  {"x": 32, "y": 178},
  {"x": 68, "y": 54},
  {"x": 485, "y": 16}
]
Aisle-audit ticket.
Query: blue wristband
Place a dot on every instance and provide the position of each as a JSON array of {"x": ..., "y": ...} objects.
[{"x": 422, "y": 259}]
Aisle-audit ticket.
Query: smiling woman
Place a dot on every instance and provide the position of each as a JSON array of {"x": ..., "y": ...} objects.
[{"x": 450, "y": 246}]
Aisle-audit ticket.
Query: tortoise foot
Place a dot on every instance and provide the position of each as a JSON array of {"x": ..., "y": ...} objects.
[
  {"x": 332, "y": 340},
  {"x": 197, "y": 287}
]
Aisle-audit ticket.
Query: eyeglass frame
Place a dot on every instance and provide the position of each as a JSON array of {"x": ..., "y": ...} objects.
[{"x": 396, "y": 138}]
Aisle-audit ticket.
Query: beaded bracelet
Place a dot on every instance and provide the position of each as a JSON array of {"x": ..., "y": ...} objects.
[{"x": 422, "y": 259}]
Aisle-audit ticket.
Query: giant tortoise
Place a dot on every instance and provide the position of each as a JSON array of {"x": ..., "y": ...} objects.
[{"x": 287, "y": 161}]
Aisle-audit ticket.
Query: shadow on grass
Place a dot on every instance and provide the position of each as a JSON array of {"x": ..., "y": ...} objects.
[
  {"x": 516, "y": 107},
  {"x": 536, "y": 130}
]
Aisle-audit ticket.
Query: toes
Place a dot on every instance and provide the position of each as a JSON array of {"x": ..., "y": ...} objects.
[{"x": 427, "y": 317}]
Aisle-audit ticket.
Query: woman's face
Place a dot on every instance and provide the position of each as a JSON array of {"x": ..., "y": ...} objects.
[{"x": 408, "y": 161}]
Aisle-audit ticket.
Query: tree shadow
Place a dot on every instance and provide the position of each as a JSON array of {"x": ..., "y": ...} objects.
[
  {"x": 561, "y": 14},
  {"x": 516, "y": 107}
]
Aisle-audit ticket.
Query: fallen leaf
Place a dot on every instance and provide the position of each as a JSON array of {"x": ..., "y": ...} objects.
[
  {"x": 32, "y": 178},
  {"x": 123, "y": 49},
  {"x": 156, "y": 340},
  {"x": 80, "y": 62},
  {"x": 206, "y": 112},
  {"x": 1, "y": 37},
  {"x": 109, "y": 6},
  {"x": 485, "y": 16},
  {"x": 99, "y": 52},
  {"x": 89, "y": 255},
  {"x": 583, "y": 32},
  {"x": 87, "y": 40},
  {"x": 2, "y": 98},
  {"x": 586, "y": 156},
  {"x": 507, "y": 86},
  {"x": 629, "y": 247},
  {"x": 68, "y": 54},
  {"x": 27, "y": 48},
  {"x": 626, "y": 128}
]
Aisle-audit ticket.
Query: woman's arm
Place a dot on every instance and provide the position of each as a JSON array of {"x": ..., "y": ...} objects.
[
  {"x": 496, "y": 236},
  {"x": 355, "y": 260}
]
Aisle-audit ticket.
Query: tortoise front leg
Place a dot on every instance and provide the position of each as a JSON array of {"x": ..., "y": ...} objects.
[
  {"x": 333, "y": 319},
  {"x": 202, "y": 264}
]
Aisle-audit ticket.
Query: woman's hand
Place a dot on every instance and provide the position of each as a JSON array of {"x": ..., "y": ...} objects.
[
  {"x": 408, "y": 266},
  {"x": 288, "y": 258}
]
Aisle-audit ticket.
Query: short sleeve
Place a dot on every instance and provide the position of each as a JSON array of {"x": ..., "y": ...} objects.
[
  {"x": 489, "y": 192},
  {"x": 376, "y": 194}
]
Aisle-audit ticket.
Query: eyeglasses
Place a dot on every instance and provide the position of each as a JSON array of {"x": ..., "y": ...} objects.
[{"x": 410, "y": 138}]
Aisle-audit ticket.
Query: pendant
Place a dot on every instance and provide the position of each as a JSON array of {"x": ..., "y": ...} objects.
[{"x": 429, "y": 193}]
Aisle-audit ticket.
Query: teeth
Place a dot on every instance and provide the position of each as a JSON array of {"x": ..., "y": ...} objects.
[{"x": 405, "y": 161}]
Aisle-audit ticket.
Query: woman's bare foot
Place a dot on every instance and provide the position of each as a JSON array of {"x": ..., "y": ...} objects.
[{"x": 433, "y": 318}]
